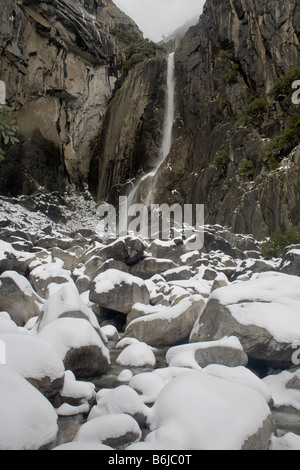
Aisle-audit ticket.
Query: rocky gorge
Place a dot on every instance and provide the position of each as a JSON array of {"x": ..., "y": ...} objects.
[{"x": 137, "y": 343}]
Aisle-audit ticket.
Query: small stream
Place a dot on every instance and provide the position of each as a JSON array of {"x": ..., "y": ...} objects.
[
  {"x": 287, "y": 420},
  {"x": 68, "y": 426}
]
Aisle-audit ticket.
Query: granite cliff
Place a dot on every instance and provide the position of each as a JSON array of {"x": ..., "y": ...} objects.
[
  {"x": 226, "y": 67},
  {"x": 59, "y": 61}
]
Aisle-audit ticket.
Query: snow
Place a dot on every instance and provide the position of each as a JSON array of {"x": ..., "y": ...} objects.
[
  {"x": 77, "y": 389},
  {"x": 269, "y": 300},
  {"x": 184, "y": 355},
  {"x": 148, "y": 385},
  {"x": 7, "y": 250},
  {"x": 199, "y": 411},
  {"x": 71, "y": 446},
  {"x": 22, "y": 283},
  {"x": 65, "y": 300},
  {"x": 281, "y": 395},
  {"x": 28, "y": 420},
  {"x": 137, "y": 355},
  {"x": 289, "y": 441},
  {"x": 107, "y": 280},
  {"x": 110, "y": 332},
  {"x": 125, "y": 375},
  {"x": 105, "y": 427},
  {"x": 49, "y": 270},
  {"x": 7, "y": 325},
  {"x": 170, "y": 313},
  {"x": 122, "y": 399},
  {"x": 66, "y": 333},
  {"x": 32, "y": 357},
  {"x": 240, "y": 375},
  {"x": 70, "y": 410}
]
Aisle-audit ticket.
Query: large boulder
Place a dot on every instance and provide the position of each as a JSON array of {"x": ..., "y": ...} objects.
[
  {"x": 264, "y": 313},
  {"x": 116, "y": 430},
  {"x": 18, "y": 298},
  {"x": 148, "y": 267},
  {"x": 128, "y": 249},
  {"x": 36, "y": 360},
  {"x": 290, "y": 263},
  {"x": 28, "y": 420},
  {"x": 66, "y": 302},
  {"x": 78, "y": 345},
  {"x": 198, "y": 411},
  {"x": 119, "y": 291},
  {"x": 45, "y": 275},
  {"x": 227, "y": 351},
  {"x": 169, "y": 325}
]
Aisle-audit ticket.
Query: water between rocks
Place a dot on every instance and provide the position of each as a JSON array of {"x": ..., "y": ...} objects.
[
  {"x": 287, "y": 420},
  {"x": 68, "y": 426}
]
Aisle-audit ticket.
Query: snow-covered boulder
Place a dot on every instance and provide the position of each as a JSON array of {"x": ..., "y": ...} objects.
[
  {"x": 75, "y": 397},
  {"x": 36, "y": 361},
  {"x": 197, "y": 411},
  {"x": 148, "y": 267},
  {"x": 78, "y": 345},
  {"x": 137, "y": 355},
  {"x": 285, "y": 389},
  {"x": 147, "y": 385},
  {"x": 170, "y": 325},
  {"x": 114, "y": 430},
  {"x": 290, "y": 263},
  {"x": 45, "y": 275},
  {"x": 28, "y": 420},
  {"x": 128, "y": 249},
  {"x": 71, "y": 446},
  {"x": 289, "y": 441},
  {"x": 227, "y": 351},
  {"x": 118, "y": 291},
  {"x": 7, "y": 325},
  {"x": 18, "y": 298},
  {"x": 14, "y": 260},
  {"x": 264, "y": 313},
  {"x": 243, "y": 376},
  {"x": 122, "y": 399},
  {"x": 66, "y": 302}
]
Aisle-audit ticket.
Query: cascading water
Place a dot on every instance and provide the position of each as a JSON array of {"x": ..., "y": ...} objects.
[{"x": 145, "y": 184}]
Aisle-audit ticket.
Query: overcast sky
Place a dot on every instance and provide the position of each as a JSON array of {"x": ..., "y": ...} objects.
[{"x": 158, "y": 17}]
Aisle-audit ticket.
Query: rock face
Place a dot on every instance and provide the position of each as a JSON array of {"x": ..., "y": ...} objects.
[
  {"x": 59, "y": 61},
  {"x": 237, "y": 52},
  {"x": 132, "y": 131},
  {"x": 260, "y": 313}
]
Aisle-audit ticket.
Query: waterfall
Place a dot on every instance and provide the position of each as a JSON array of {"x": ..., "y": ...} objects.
[
  {"x": 145, "y": 184},
  {"x": 164, "y": 151},
  {"x": 169, "y": 112}
]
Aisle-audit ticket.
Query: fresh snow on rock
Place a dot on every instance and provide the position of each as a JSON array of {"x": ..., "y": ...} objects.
[
  {"x": 200, "y": 411},
  {"x": 28, "y": 421}
]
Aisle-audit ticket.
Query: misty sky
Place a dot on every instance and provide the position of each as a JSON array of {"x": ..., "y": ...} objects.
[{"x": 158, "y": 17}]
